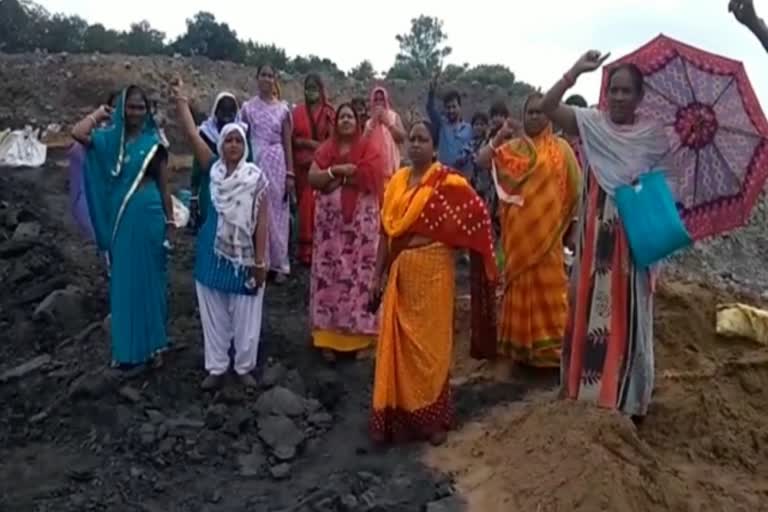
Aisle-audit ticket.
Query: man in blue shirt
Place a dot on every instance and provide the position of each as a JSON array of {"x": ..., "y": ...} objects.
[{"x": 454, "y": 135}]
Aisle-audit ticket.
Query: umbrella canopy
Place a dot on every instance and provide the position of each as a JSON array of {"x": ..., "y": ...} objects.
[{"x": 717, "y": 130}]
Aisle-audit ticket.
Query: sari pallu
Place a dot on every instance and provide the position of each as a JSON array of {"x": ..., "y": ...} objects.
[
  {"x": 129, "y": 223},
  {"x": 347, "y": 230},
  {"x": 538, "y": 182},
  {"x": 316, "y": 126},
  {"x": 411, "y": 397},
  {"x": 77, "y": 199}
]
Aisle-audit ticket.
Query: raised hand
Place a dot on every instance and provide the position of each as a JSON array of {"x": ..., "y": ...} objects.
[
  {"x": 177, "y": 89},
  {"x": 103, "y": 113},
  {"x": 435, "y": 80},
  {"x": 590, "y": 61},
  {"x": 510, "y": 129},
  {"x": 743, "y": 11}
]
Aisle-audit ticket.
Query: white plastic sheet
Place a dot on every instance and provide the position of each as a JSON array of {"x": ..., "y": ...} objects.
[
  {"x": 180, "y": 213},
  {"x": 22, "y": 148}
]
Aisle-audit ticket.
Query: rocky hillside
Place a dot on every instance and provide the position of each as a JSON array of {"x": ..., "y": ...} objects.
[{"x": 40, "y": 89}]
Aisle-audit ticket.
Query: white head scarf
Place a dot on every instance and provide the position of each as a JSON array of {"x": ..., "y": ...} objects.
[
  {"x": 237, "y": 198},
  {"x": 210, "y": 127},
  {"x": 619, "y": 154}
]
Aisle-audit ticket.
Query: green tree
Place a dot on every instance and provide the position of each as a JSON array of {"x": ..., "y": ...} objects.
[
  {"x": 21, "y": 25},
  {"x": 208, "y": 38},
  {"x": 314, "y": 64},
  {"x": 98, "y": 38},
  {"x": 491, "y": 74},
  {"x": 257, "y": 54},
  {"x": 363, "y": 72},
  {"x": 403, "y": 71},
  {"x": 142, "y": 39},
  {"x": 63, "y": 34},
  {"x": 423, "y": 49},
  {"x": 452, "y": 72}
]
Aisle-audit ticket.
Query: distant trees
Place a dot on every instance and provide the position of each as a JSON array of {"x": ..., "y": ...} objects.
[
  {"x": 26, "y": 26},
  {"x": 207, "y": 37},
  {"x": 422, "y": 50},
  {"x": 363, "y": 72}
]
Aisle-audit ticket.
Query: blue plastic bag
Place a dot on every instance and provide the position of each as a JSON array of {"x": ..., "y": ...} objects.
[{"x": 651, "y": 221}]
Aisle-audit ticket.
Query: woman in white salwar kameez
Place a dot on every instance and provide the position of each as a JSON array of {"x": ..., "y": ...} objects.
[{"x": 230, "y": 266}]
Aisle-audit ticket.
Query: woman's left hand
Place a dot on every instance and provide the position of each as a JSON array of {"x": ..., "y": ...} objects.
[
  {"x": 259, "y": 276},
  {"x": 290, "y": 187}
]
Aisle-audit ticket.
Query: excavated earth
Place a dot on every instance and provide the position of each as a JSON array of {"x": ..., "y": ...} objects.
[{"x": 75, "y": 436}]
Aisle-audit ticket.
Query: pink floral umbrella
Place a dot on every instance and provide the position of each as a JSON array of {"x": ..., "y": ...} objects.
[{"x": 717, "y": 130}]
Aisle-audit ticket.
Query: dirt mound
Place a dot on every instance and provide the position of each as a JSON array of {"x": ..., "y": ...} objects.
[
  {"x": 560, "y": 456},
  {"x": 703, "y": 446}
]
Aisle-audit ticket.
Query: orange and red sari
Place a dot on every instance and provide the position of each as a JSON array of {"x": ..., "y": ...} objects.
[
  {"x": 538, "y": 181},
  {"x": 411, "y": 396},
  {"x": 314, "y": 123}
]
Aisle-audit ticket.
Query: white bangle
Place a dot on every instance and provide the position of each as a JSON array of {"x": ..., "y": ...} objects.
[
  {"x": 490, "y": 145},
  {"x": 330, "y": 173}
]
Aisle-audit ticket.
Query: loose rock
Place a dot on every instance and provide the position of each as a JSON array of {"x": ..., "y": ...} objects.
[
  {"x": 273, "y": 374},
  {"x": 452, "y": 504},
  {"x": 328, "y": 388},
  {"x": 294, "y": 381},
  {"x": 250, "y": 465},
  {"x": 281, "y": 471},
  {"x": 130, "y": 394},
  {"x": 280, "y": 401},
  {"x": 26, "y": 231},
  {"x": 320, "y": 419},
  {"x": 285, "y": 453},
  {"x": 63, "y": 307},
  {"x": 216, "y": 416},
  {"x": 26, "y": 368},
  {"x": 279, "y": 431}
]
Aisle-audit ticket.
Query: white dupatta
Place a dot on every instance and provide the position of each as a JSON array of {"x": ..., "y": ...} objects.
[
  {"x": 236, "y": 198},
  {"x": 619, "y": 154}
]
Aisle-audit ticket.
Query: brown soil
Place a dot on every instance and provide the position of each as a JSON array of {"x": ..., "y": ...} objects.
[{"x": 703, "y": 446}]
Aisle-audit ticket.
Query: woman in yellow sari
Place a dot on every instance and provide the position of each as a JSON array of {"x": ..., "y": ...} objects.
[
  {"x": 428, "y": 212},
  {"x": 537, "y": 178}
]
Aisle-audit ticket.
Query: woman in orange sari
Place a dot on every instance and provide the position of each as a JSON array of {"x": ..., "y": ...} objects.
[
  {"x": 312, "y": 124},
  {"x": 538, "y": 180},
  {"x": 428, "y": 212}
]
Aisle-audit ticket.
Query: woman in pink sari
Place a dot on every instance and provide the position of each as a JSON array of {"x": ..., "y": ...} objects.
[
  {"x": 271, "y": 129},
  {"x": 348, "y": 174},
  {"x": 385, "y": 130}
]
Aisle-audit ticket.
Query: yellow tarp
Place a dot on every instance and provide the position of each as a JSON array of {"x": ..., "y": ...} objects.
[{"x": 741, "y": 320}]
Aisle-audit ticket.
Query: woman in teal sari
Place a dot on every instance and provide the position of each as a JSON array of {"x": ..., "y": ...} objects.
[{"x": 131, "y": 211}]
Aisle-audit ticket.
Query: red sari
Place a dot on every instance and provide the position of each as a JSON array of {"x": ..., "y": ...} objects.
[{"x": 317, "y": 126}]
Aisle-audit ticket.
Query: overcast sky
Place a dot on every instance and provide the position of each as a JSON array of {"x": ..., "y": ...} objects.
[{"x": 537, "y": 39}]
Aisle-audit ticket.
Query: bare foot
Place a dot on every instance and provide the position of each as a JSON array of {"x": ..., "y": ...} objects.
[
  {"x": 249, "y": 381},
  {"x": 501, "y": 370},
  {"x": 438, "y": 438},
  {"x": 211, "y": 382}
]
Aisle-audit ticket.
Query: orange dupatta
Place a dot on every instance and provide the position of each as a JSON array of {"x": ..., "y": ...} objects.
[{"x": 445, "y": 208}]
